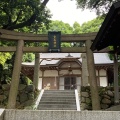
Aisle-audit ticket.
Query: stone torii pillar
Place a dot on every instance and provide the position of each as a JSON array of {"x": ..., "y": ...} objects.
[
  {"x": 85, "y": 75},
  {"x": 92, "y": 77},
  {"x": 36, "y": 70},
  {"x": 15, "y": 76}
]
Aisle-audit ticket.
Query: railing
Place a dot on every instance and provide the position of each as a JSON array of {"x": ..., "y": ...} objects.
[
  {"x": 77, "y": 100},
  {"x": 38, "y": 99}
]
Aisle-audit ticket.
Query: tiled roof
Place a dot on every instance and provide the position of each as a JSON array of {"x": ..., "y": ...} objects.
[
  {"x": 102, "y": 58},
  {"x": 59, "y": 55},
  {"x": 54, "y": 58}
]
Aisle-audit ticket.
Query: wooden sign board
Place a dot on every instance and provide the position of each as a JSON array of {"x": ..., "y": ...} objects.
[{"x": 54, "y": 39}]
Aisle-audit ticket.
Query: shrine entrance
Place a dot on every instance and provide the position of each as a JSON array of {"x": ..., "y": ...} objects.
[
  {"x": 70, "y": 83},
  {"x": 22, "y": 38}
]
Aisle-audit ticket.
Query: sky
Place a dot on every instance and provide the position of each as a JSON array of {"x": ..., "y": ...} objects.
[{"x": 67, "y": 11}]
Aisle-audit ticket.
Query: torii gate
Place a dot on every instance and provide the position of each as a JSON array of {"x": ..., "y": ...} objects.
[{"x": 20, "y": 48}]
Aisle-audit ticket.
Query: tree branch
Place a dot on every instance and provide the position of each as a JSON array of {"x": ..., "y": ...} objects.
[
  {"x": 20, "y": 25},
  {"x": 45, "y": 2},
  {"x": 17, "y": 17},
  {"x": 29, "y": 21}
]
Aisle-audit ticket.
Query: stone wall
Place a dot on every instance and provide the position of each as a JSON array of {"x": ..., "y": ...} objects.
[
  {"x": 106, "y": 97},
  {"x": 60, "y": 115},
  {"x": 25, "y": 98}
]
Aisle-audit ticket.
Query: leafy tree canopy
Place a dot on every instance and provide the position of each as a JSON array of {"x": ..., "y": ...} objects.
[
  {"x": 76, "y": 28},
  {"x": 101, "y": 6},
  {"x": 87, "y": 27},
  {"x": 16, "y": 14},
  {"x": 57, "y": 25},
  {"x": 92, "y": 26},
  {"x": 24, "y": 16}
]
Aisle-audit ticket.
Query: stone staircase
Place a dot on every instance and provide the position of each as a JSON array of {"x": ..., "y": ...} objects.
[{"x": 58, "y": 100}]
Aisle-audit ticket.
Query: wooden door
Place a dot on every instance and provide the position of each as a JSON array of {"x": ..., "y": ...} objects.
[{"x": 70, "y": 83}]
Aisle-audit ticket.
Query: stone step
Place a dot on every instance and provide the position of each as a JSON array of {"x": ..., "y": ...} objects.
[
  {"x": 57, "y": 102},
  {"x": 58, "y": 95},
  {"x": 61, "y": 93},
  {"x": 55, "y": 92},
  {"x": 56, "y": 106},
  {"x": 54, "y": 97},
  {"x": 57, "y": 99}
]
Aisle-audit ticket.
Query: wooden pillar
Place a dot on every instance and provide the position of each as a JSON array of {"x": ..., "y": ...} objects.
[
  {"x": 15, "y": 76},
  {"x": 116, "y": 87},
  {"x": 58, "y": 80},
  {"x": 98, "y": 78},
  {"x": 92, "y": 77},
  {"x": 43, "y": 78},
  {"x": 36, "y": 70}
]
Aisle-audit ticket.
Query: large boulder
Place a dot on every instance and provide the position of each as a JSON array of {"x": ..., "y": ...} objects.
[
  {"x": 6, "y": 87},
  {"x": 23, "y": 97},
  {"x": 106, "y": 101},
  {"x": 28, "y": 103},
  {"x": 85, "y": 94},
  {"x": 30, "y": 88},
  {"x": 104, "y": 106},
  {"x": 21, "y": 87},
  {"x": 31, "y": 96},
  {"x": 110, "y": 93},
  {"x": 2, "y": 98}
]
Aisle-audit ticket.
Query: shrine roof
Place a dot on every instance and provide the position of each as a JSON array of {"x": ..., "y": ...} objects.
[
  {"x": 109, "y": 33},
  {"x": 54, "y": 58}
]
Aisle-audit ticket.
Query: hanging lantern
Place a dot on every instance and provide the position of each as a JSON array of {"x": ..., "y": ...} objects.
[{"x": 54, "y": 39}]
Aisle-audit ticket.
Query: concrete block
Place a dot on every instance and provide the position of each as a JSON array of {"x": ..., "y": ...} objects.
[{"x": 60, "y": 115}]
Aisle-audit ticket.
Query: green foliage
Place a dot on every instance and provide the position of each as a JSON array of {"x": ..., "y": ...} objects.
[
  {"x": 92, "y": 26},
  {"x": 87, "y": 27},
  {"x": 101, "y": 6},
  {"x": 65, "y": 28},
  {"x": 57, "y": 25},
  {"x": 26, "y": 80},
  {"x": 65, "y": 44},
  {"x": 4, "y": 57},
  {"x": 16, "y": 14},
  {"x": 24, "y": 16},
  {"x": 76, "y": 28},
  {"x": 28, "y": 57}
]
